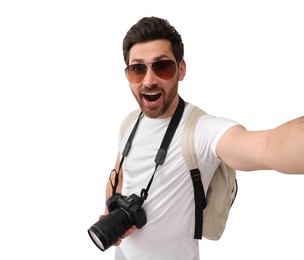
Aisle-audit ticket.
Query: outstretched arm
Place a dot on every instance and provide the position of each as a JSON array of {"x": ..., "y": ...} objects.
[{"x": 280, "y": 149}]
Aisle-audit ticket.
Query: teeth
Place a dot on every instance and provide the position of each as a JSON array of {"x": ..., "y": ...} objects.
[{"x": 150, "y": 94}]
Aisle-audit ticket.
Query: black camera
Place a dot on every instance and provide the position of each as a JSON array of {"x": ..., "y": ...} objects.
[{"x": 123, "y": 213}]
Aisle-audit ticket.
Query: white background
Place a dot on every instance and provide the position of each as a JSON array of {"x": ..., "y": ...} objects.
[{"x": 63, "y": 95}]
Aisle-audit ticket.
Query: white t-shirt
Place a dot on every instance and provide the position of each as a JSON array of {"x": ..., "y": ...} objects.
[{"x": 169, "y": 231}]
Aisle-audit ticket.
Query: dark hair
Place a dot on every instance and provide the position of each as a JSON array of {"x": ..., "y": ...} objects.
[{"x": 149, "y": 29}]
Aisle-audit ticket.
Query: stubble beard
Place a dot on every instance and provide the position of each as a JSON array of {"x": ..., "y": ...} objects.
[{"x": 156, "y": 112}]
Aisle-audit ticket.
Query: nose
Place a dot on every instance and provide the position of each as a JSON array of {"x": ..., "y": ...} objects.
[{"x": 150, "y": 78}]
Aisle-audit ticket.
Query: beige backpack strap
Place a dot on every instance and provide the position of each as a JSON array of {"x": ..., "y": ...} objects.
[
  {"x": 188, "y": 147},
  {"x": 128, "y": 121},
  {"x": 189, "y": 153}
]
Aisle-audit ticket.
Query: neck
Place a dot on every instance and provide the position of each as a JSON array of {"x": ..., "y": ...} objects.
[{"x": 170, "y": 111}]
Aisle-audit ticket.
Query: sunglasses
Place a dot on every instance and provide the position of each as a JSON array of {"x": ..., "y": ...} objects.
[{"x": 165, "y": 69}]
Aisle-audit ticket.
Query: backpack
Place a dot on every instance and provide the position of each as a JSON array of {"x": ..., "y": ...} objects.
[{"x": 212, "y": 209}]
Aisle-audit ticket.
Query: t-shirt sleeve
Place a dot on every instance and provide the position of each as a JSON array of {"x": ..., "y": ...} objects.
[{"x": 209, "y": 130}]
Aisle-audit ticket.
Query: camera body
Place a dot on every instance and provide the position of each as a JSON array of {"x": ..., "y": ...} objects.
[
  {"x": 124, "y": 211},
  {"x": 131, "y": 205}
]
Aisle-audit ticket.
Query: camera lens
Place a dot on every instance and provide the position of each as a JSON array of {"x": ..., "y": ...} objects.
[{"x": 110, "y": 228}]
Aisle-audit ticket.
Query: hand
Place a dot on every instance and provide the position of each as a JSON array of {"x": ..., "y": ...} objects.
[{"x": 127, "y": 233}]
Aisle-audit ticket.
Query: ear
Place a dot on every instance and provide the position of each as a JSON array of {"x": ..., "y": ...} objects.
[{"x": 181, "y": 70}]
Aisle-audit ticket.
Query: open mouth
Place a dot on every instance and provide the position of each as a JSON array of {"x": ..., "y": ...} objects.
[{"x": 152, "y": 97}]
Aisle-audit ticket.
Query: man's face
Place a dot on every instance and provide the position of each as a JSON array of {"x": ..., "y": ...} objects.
[{"x": 156, "y": 97}]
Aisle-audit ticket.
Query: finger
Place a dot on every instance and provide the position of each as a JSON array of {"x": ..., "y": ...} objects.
[
  {"x": 117, "y": 243},
  {"x": 129, "y": 231}
]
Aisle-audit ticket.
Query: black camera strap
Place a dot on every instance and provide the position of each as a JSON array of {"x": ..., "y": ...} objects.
[{"x": 162, "y": 151}]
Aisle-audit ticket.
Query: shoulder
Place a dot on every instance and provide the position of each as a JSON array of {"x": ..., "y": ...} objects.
[
  {"x": 209, "y": 123},
  {"x": 129, "y": 120},
  {"x": 209, "y": 129}
]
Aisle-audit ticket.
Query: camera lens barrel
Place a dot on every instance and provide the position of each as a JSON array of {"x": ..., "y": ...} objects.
[{"x": 110, "y": 228}]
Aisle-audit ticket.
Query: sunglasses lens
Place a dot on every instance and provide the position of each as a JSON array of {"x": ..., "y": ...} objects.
[
  {"x": 164, "y": 69},
  {"x": 136, "y": 72}
]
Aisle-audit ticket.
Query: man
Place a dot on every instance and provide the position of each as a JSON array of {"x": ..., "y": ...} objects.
[{"x": 153, "y": 52}]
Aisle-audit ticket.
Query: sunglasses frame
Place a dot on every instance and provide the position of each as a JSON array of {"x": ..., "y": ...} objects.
[{"x": 143, "y": 73}]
